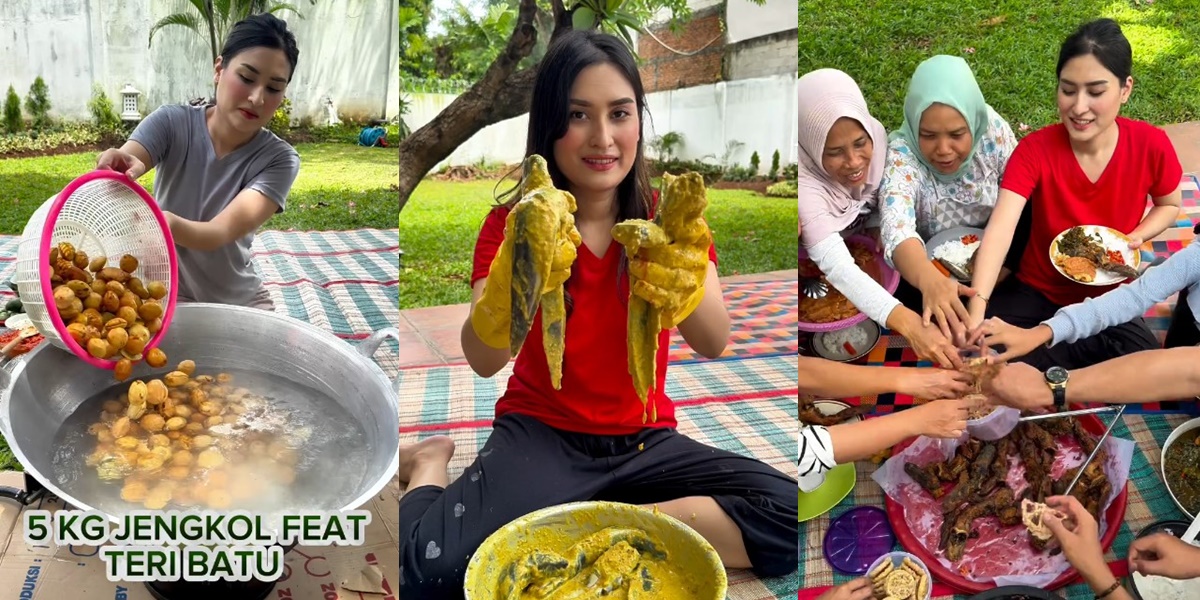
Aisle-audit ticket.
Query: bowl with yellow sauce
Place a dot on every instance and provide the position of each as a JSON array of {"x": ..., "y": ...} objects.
[{"x": 595, "y": 550}]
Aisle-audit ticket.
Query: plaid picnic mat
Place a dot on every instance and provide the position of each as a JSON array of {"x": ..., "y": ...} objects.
[
  {"x": 762, "y": 318},
  {"x": 745, "y": 405},
  {"x": 893, "y": 349},
  {"x": 1148, "y": 502},
  {"x": 345, "y": 282}
]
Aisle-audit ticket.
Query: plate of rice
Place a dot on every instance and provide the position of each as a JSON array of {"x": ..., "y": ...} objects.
[
  {"x": 848, "y": 344},
  {"x": 956, "y": 245}
]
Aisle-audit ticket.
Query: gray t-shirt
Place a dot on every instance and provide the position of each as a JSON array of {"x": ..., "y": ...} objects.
[{"x": 192, "y": 183}]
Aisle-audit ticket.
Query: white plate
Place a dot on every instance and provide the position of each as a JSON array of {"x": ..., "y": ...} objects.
[
  {"x": 868, "y": 326},
  {"x": 833, "y": 407},
  {"x": 951, "y": 235},
  {"x": 1113, "y": 240}
]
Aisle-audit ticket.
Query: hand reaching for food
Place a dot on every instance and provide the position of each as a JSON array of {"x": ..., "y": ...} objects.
[
  {"x": 1017, "y": 341},
  {"x": 1076, "y": 532},
  {"x": 1164, "y": 555},
  {"x": 943, "y": 305},
  {"x": 857, "y": 589},
  {"x": 944, "y": 418},
  {"x": 935, "y": 384}
]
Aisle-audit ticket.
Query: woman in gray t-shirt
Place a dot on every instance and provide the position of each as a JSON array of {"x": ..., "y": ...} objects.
[{"x": 221, "y": 174}]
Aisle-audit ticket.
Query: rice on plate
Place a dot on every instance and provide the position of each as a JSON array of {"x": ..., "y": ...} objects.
[
  {"x": 956, "y": 251},
  {"x": 847, "y": 343}
]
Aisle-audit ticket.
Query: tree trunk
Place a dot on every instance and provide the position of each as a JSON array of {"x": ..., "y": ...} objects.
[{"x": 502, "y": 93}]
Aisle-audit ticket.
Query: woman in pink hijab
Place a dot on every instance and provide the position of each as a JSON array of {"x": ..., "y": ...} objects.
[{"x": 842, "y": 149}]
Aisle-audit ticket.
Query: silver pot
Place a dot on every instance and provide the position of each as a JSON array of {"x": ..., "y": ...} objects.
[{"x": 43, "y": 388}]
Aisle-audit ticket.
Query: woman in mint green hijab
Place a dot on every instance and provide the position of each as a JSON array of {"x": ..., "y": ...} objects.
[{"x": 942, "y": 171}]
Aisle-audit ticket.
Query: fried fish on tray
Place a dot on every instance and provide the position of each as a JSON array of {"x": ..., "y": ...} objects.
[
  {"x": 925, "y": 478},
  {"x": 961, "y": 529}
]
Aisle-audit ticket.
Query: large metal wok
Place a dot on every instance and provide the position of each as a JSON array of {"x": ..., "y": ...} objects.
[{"x": 41, "y": 389}]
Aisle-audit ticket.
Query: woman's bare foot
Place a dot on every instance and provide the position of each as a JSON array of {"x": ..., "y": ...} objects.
[{"x": 422, "y": 461}]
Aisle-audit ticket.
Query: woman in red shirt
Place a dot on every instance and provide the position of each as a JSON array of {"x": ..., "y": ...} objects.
[
  {"x": 589, "y": 439},
  {"x": 1093, "y": 168}
]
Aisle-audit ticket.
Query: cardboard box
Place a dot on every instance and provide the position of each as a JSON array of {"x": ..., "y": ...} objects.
[{"x": 367, "y": 572}]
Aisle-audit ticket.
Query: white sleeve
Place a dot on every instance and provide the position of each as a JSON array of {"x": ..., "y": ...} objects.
[
  {"x": 833, "y": 258},
  {"x": 816, "y": 456}
]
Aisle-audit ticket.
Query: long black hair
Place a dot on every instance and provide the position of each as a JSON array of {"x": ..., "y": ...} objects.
[
  {"x": 261, "y": 31},
  {"x": 550, "y": 111},
  {"x": 1103, "y": 39}
]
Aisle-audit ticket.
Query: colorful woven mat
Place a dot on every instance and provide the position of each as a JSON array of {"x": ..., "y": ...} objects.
[
  {"x": 744, "y": 405},
  {"x": 345, "y": 282},
  {"x": 762, "y": 318},
  {"x": 1148, "y": 502}
]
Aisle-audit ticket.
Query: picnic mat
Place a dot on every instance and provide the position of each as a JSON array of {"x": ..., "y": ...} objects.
[
  {"x": 345, "y": 282},
  {"x": 744, "y": 405},
  {"x": 762, "y": 318},
  {"x": 1148, "y": 502},
  {"x": 893, "y": 349}
]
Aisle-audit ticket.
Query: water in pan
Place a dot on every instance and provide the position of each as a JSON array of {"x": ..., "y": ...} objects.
[{"x": 327, "y": 445}]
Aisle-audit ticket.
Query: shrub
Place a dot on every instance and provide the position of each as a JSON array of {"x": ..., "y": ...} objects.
[
  {"x": 281, "y": 121},
  {"x": 754, "y": 163},
  {"x": 12, "y": 112},
  {"x": 37, "y": 104},
  {"x": 783, "y": 189},
  {"x": 774, "y": 166},
  {"x": 104, "y": 115}
]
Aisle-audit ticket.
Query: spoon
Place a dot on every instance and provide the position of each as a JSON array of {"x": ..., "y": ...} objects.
[{"x": 814, "y": 288}]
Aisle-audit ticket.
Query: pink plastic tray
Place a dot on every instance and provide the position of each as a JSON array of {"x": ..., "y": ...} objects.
[{"x": 890, "y": 277}]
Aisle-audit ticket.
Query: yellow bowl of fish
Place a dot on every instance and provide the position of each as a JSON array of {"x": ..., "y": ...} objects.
[{"x": 595, "y": 550}]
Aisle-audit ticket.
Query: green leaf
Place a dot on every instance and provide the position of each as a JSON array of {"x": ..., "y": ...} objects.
[
  {"x": 628, "y": 38},
  {"x": 612, "y": 6},
  {"x": 583, "y": 18},
  {"x": 182, "y": 19}
]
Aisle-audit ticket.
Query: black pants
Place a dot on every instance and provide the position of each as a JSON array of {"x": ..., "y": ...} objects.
[
  {"x": 1021, "y": 305},
  {"x": 526, "y": 465},
  {"x": 1182, "y": 331}
]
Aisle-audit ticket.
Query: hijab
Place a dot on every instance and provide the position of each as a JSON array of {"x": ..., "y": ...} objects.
[
  {"x": 826, "y": 206},
  {"x": 945, "y": 80}
]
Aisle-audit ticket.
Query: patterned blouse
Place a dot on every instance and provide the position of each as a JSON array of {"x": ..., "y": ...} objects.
[{"x": 914, "y": 204}]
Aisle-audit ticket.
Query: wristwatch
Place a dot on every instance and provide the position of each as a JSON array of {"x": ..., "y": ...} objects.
[{"x": 1056, "y": 378}]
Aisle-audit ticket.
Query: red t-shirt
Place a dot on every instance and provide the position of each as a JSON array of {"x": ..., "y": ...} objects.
[
  {"x": 597, "y": 395},
  {"x": 1044, "y": 170}
]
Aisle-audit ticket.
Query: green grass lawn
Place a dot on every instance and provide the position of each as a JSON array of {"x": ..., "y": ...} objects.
[
  {"x": 440, "y": 224},
  {"x": 340, "y": 186},
  {"x": 1012, "y": 46}
]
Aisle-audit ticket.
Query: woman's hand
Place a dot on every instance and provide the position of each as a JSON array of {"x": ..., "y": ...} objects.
[
  {"x": 1166, "y": 555},
  {"x": 934, "y": 384},
  {"x": 943, "y": 418},
  {"x": 929, "y": 344},
  {"x": 858, "y": 589},
  {"x": 116, "y": 159},
  {"x": 1077, "y": 533},
  {"x": 942, "y": 302},
  {"x": 1017, "y": 341}
]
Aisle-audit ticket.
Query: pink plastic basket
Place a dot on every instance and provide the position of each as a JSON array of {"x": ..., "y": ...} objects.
[
  {"x": 103, "y": 213},
  {"x": 891, "y": 280}
]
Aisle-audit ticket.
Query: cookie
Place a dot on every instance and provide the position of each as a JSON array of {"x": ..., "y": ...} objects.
[
  {"x": 900, "y": 584},
  {"x": 882, "y": 570},
  {"x": 922, "y": 587}
]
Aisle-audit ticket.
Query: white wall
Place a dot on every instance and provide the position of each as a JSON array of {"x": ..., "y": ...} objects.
[
  {"x": 760, "y": 113},
  {"x": 348, "y": 51},
  {"x": 747, "y": 20}
]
